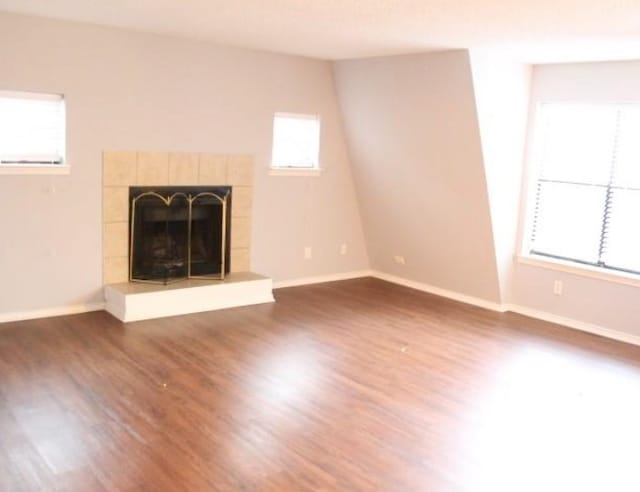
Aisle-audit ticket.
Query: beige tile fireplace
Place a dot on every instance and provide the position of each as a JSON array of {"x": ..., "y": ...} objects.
[{"x": 122, "y": 169}]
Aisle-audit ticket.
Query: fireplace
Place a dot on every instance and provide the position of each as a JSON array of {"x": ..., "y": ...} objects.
[{"x": 179, "y": 232}]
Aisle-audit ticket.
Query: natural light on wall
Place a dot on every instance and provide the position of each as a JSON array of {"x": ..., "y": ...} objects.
[
  {"x": 32, "y": 130},
  {"x": 586, "y": 193},
  {"x": 296, "y": 141}
]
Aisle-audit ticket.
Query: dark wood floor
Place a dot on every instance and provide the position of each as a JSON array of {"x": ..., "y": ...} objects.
[{"x": 356, "y": 385}]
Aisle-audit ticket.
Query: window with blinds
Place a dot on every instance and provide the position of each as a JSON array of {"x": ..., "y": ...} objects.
[
  {"x": 296, "y": 141},
  {"x": 587, "y": 187},
  {"x": 32, "y": 129}
]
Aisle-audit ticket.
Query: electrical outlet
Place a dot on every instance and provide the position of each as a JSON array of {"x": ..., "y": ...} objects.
[
  {"x": 307, "y": 252},
  {"x": 557, "y": 287},
  {"x": 399, "y": 260},
  {"x": 343, "y": 249}
]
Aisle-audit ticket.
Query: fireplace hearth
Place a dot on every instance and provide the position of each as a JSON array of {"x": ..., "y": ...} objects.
[{"x": 179, "y": 232}]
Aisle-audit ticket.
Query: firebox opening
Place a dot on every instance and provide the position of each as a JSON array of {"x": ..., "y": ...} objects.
[{"x": 179, "y": 232}]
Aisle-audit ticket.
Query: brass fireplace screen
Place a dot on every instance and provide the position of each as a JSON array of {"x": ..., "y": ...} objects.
[{"x": 178, "y": 233}]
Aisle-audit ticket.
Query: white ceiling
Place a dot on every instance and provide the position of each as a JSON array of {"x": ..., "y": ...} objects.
[{"x": 532, "y": 30}]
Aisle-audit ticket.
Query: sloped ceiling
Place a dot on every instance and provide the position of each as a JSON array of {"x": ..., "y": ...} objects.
[
  {"x": 502, "y": 91},
  {"x": 413, "y": 133}
]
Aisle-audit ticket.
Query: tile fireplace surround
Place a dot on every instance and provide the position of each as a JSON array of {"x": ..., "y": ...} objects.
[{"x": 124, "y": 169}]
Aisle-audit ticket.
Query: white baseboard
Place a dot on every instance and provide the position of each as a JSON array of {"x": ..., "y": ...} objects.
[
  {"x": 574, "y": 324},
  {"x": 51, "y": 312},
  {"x": 514, "y": 308},
  {"x": 431, "y": 289},
  {"x": 322, "y": 278},
  {"x": 475, "y": 301}
]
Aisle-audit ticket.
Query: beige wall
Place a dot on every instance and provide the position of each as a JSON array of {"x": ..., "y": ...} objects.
[
  {"x": 431, "y": 173},
  {"x": 589, "y": 300},
  {"x": 415, "y": 146},
  {"x": 127, "y": 90}
]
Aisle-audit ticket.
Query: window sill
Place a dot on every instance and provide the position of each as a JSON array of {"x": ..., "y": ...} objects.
[
  {"x": 34, "y": 169},
  {"x": 581, "y": 270},
  {"x": 284, "y": 171}
]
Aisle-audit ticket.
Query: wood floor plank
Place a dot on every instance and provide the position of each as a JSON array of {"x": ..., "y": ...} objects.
[{"x": 356, "y": 385}]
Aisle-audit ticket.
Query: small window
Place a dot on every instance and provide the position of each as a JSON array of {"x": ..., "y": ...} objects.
[
  {"x": 587, "y": 185},
  {"x": 32, "y": 129},
  {"x": 296, "y": 141}
]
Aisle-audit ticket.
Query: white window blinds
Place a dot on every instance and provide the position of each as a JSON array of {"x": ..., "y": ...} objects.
[
  {"x": 587, "y": 189},
  {"x": 32, "y": 129},
  {"x": 296, "y": 141}
]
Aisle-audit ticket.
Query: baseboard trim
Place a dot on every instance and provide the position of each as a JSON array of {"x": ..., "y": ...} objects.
[
  {"x": 51, "y": 312},
  {"x": 574, "y": 324},
  {"x": 514, "y": 308},
  {"x": 333, "y": 277},
  {"x": 456, "y": 296},
  {"x": 431, "y": 289}
]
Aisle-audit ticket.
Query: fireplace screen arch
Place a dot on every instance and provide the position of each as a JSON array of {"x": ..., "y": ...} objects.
[{"x": 178, "y": 233}]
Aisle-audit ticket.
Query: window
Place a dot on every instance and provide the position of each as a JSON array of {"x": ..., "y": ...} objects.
[
  {"x": 32, "y": 129},
  {"x": 586, "y": 205},
  {"x": 296, "y": 141}
]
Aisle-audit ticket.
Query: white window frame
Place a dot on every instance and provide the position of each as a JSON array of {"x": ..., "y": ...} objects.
[
  {"x": 530, "y": 175},
  {"x": 279, "y": 170},
  {"x": 38, "y": 168}
]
